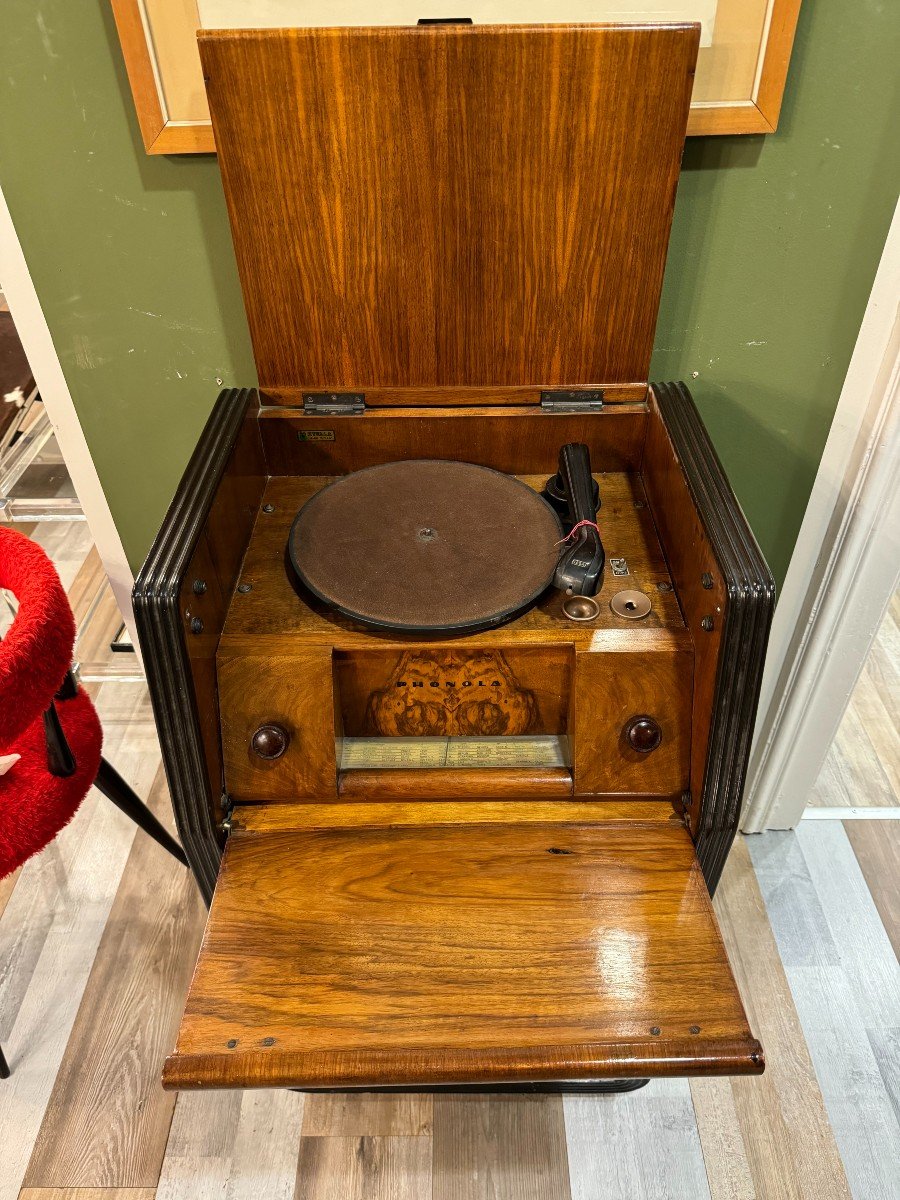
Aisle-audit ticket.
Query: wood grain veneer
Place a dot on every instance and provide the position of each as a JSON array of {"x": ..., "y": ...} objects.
[
  {"x": 609, "y": 690},
  {"x": 284, "y": 818},
  {"x": 522, "y": 784},
  {"x": 451, "y": 206},
  {"x": 520, "y": 441},
  {"x": 617, "y": 395},
  {"x": 460, "y": 954}
]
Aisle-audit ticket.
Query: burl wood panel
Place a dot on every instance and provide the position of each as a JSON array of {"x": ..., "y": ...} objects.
[
  {"x": 518, "y": 441},
  {"x": 610, "y": 689},
  {"x": 460, "y": 954},
  {"x": 430, "y": 692},
  {"x": 450, "y": 206},
  {"x": 698, "y": 580}
]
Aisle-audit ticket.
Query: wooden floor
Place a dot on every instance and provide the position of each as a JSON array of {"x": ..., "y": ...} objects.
[
  {"x": 864, "y": 760},
  {"x": 98, "y": 936}
]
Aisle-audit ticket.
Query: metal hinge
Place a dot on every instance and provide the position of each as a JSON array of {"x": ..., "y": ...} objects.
[
  {"x": 330, "y": 403},
  {"x": 586, "y": 401},
  {"x": 227, "y": 806}
]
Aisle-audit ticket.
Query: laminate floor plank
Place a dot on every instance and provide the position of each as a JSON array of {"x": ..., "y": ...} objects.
[
  {"x": 862, "y": 767},
  {"x": 232, "y": 1145},
  {"x": 49, "y": 934},
  {"x": 197, "y": 1162},
  {"x": 27, "y": 919},
  {"x": 864, "y": 950},
  {"x": 789, "y": 1144},
  {"x": 876, "y": 845},
  {"x": 884, "y": 658},
  {"x": 266, "y": 1146},
  {"x": 496, "y": 1147},
  {"x": 108, "y": 1118},
  {"x": 85, "y": 862},
  {"x": 364, "y": 1168},
  {"x": 367, "y": 1114},
  {"x": 87, "y": 1194},
  {"x": 728, "y": 1171},
  {"x": 886, "y": 1049},
  {"x": 636, "y": 1144},
  {"x": 6, "y": 888},
  {"x": 844, "y": 1003},
  {"x": 852, "y": 774},
  {"x": 881, "y": 725}
]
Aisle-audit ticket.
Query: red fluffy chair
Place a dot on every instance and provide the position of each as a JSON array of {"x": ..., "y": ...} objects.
[{"x": 50, "y": 735}]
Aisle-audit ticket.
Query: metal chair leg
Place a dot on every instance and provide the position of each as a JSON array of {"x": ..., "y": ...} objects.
[
  {"x": 114, "y": 788},
  {"x": 4, "y": 1065}
]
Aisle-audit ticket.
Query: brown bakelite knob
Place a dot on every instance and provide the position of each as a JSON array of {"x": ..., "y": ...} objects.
[
  {"x": 270, "y": 741},
  {"x": 643, "y": 734}
]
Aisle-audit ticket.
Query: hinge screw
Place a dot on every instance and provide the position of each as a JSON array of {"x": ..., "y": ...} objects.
[
  {"x": 199, "y": 587},
  {"x": 707, "y": 624},
  {"x": 656, "y": 1031},
  {"x": 196, "y": 625},
  {"x": 268, "y": 508},
  {"x": 664, "y": 587},
  {"x": 244, "y": 588},
  {"x": 707, "y": 580}
]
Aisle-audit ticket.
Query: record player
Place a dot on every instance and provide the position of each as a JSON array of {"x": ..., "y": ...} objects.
[{"x": 454, "y": 629}]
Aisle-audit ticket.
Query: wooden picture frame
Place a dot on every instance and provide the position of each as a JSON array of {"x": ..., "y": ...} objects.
[{"x": 160, "y": 54}]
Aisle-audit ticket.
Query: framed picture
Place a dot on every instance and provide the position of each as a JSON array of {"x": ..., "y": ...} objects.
[{"x": 745, "y": 49}]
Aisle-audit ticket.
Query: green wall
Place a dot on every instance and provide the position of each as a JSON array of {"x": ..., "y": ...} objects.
[{"x": 774, "y": 249}]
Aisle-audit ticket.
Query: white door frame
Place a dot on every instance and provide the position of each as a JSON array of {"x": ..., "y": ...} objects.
[
  {"x": 843, "y": 572},
  {"x": 40, "y": 351}
]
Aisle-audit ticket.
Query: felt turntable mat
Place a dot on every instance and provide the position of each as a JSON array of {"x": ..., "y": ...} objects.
[{"x": 427, "y": 545}]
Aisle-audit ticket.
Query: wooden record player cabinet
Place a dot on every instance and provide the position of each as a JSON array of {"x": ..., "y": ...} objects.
[{"x": 451, "y": 242}]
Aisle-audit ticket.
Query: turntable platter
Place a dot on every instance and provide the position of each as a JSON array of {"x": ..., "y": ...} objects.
[{"x": 426, "y": 546}]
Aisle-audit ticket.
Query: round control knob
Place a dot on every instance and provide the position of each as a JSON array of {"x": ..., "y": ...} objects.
[
  {"x": 643, "y": 734},
  {"x": 269, "y": 741}
]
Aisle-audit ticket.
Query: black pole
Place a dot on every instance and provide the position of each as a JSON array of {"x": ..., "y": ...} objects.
[{"x": 114, "y": 788}]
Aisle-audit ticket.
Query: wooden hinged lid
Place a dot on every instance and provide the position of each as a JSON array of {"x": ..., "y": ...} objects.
[
  {"x": 460, "y": 953},
  {"x": 418, "y": 211}
]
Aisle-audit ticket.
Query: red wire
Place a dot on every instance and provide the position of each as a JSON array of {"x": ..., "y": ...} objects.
[{"x": 575, "y": 528}]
